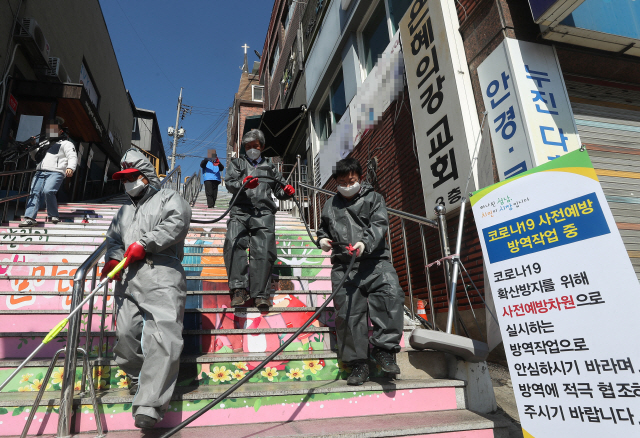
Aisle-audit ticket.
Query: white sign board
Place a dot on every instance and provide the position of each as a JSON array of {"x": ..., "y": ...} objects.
[
  {"x": 445, "y": 119},
  {"x": 566, "y": 298},
  {"x": 528, "y": 107}
]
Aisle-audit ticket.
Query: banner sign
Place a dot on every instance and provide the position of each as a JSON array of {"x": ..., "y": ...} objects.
[
  {"x": 566, "y": 297},
  {"x": 445, "y": 119},
  {"x": 528, "y": 106}
]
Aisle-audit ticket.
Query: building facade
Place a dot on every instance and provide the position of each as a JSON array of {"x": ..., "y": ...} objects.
[
  {"x": 146, "y": 136},
  {"x": 358, "y": 80},
  {"x": 60, "y": 62}
]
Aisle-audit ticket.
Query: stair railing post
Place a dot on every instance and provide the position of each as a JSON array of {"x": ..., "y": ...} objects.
[{"x": 441, "y": 212}]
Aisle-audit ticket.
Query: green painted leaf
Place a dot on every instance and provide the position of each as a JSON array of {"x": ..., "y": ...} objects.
[
  {"x": 126, "y": 406},
  {"x": 257, "y": 404},
  {"x": 18, "y": 410},
  {"x": 3, "y": 411}
]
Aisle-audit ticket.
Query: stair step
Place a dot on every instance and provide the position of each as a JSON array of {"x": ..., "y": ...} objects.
[
  {"x": 191, "y": 292},
  {"x": 254, "y": 403},
  {"x": 438, "y": 424}
]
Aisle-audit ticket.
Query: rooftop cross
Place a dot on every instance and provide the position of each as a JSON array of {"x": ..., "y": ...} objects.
[{"x": 245, "y": 47}]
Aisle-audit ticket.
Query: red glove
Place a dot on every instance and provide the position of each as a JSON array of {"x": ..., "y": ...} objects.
[
  {"x": 252, "y": 182},
  {"x": 350, "y": 248},
  {"x": 217, "y": 162},
  {"x": 108, "y": 267},
  {"x": 134, "y": 253},
  {"x": 289, "y": 190}
]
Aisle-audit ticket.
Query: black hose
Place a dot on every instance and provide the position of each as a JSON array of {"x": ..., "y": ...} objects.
[
  {"x": 235, "y": 198},
  {"x": 254, "y": 371}
]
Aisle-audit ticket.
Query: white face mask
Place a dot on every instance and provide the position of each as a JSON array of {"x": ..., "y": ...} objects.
[
  {"x": 134, "y": 188},
  {"x": 349, "y": 191},
  {"x": 253, "y": 154}
]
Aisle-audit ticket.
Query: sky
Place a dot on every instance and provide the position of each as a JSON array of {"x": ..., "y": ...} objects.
[{"x": 162, "y": 45}]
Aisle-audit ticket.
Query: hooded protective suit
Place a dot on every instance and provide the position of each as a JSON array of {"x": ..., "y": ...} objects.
[
  {"x": 150, "y": 299},
  {"x": 372, "y": 289},
  {"x": 252, "y": 225}
]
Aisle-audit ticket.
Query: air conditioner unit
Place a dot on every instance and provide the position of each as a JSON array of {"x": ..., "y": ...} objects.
[
  {"x": 56, "y": 71},
  {"x": 30, "y": 35}
]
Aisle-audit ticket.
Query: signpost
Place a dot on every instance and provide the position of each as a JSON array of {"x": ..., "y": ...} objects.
[
  {"x": 529, "y": 112},
  {"x": 567, "y": 299},
  {"x": 444, "y": 113}
]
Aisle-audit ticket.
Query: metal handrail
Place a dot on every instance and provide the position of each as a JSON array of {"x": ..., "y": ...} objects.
[
  {"x": 192, "y": 188},
  {"x": 11, "y": 184},
  {"x": 73, "y": 334}
]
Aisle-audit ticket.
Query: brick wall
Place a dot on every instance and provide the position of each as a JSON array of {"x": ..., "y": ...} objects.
[{"x": 399, "y": 180}]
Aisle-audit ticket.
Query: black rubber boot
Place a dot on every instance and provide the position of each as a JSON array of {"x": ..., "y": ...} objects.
[
  {"x": 133, "y": 387},
  {"x": 263, "y": 304},
  {"x": 145, "y": 421},
  {"x": 240, "y": 296},
  {"x": 359, "y": 375},
  {"x": 386, "y": 359}
]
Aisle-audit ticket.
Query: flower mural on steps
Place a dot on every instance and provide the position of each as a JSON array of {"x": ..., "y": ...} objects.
[
  {"x": 57, "y": 376},
  {"x": 313, "y": 365},
  {"x": 239, "y": 374},
  {"x": 37, "y": 384},
  {"x": 123, "y": 383},
  {"x": 121, "y": 373},
  {"x": 220, "y": 374},
  {"x": 26, "y": 378},
  {"x": 287, "y": 257},
  {"x": 269, "y": 373},
  {"x": 295, "y": 374},
  {"x": 241, "y": 365}
]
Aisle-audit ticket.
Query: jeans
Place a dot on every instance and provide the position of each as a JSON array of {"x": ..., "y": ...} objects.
[{"x": 45, "y": 185}]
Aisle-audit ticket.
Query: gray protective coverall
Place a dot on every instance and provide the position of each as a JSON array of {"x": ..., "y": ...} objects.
[
  {"x": 150, "y": 299},
  {"x": 372, "y": 288},
  {"x": 252, "y": 225}
]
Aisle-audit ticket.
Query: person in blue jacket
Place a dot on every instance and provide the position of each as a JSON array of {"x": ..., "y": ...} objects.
[{"x": 211, "y": 168}]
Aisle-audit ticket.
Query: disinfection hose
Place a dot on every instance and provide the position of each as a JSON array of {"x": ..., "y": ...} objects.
[{"x": 279, "y": 350}]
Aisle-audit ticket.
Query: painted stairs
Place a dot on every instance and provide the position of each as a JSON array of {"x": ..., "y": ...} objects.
[{"x": 301, "y": 393}]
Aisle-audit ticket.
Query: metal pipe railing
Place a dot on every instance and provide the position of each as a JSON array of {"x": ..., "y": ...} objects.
[
  {"x": 403, "y": 216},
  {"x": 10, "y": 186}
]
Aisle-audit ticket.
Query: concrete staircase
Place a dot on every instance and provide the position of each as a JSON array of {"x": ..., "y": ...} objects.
[{"x": 302, "y": 393}]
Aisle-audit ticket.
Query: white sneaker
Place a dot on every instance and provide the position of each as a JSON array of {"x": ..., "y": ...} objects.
[
  {"x": 55, "y": 219},
  {"x": 27, "y": 222}
]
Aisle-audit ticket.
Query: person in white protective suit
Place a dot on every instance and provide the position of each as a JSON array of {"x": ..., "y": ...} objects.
[{"x": 150, "y": 294}]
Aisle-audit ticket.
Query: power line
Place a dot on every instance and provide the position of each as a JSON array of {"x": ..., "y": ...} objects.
[{"x": 144, "y": 45}]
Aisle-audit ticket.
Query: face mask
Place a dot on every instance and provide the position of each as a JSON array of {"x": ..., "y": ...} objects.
[
  {"x": 134, "y": 188},
  {"x": 253, "y": 154},
  {"x": 349, "y": 191}
]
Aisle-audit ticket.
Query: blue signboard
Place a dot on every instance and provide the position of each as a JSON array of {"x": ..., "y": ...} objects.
[
  {"x": 616, "y": 17},
  {"x": 561, "y": 224}
]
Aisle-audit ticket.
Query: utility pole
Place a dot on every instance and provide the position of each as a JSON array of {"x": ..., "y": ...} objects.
[{"x": 175, "y": 131}]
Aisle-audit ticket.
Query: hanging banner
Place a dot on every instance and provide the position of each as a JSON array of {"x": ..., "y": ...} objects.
[
  {"x": 445, "y": 119},
  {"x": 566, "y": 297},
  {"x": 527, "y": 105}
]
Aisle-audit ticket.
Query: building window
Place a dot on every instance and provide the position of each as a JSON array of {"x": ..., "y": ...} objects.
[
  {"x": 397, "y": 9},
  {"x": 274, "y": 60},
  {"x": 287, "y": 14},
  {"x": 257, "y": 93},
  {"x": 375, "y": 37},
  {"x": 338, "y": 99},
  {"x": 135, "y": 124},
  {"x": 324, "y": 121}
]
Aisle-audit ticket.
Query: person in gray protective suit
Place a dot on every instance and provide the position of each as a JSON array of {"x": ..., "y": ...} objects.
[
  {"x": 372, "y": 290},
  {"x": 252, "y": 223},
  {"x": 150, "y": 296}
]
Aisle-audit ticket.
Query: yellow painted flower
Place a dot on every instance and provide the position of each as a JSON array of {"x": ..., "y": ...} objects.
[
  {"x": 121, "y": 373},
  {"x": 78, "y": 386},
  {"x": 220, "y": 374},
  {"x": 24, "y": 389},
  {"x": 343, "y": 367},
  {"x": 295, "y": 374},
  {"x": 123, "y": 383},
  {"x": 269, "y": 373},
  {"x": 241, "y": 365},
  {"x": 26, "y": 377},
  {"x": 312, "y": 365},
  {"x": 238, "y": 374},
  {"x": 37, "y": 384},
  {"x": 57, "y": 376},
  {"x": 101, "y": 384},
  {"x": 101, "y": 372}
]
